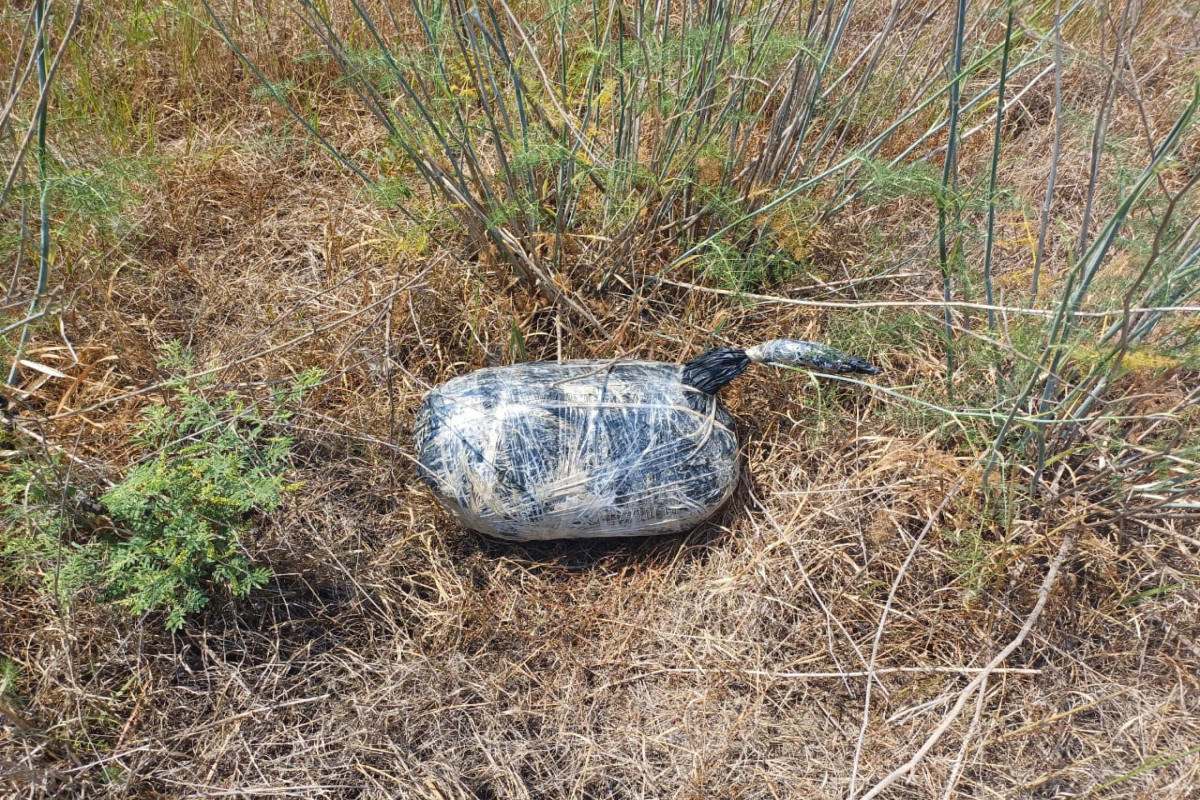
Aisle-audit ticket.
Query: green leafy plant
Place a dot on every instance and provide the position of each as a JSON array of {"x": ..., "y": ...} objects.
[{"x": 174, "y": 526}]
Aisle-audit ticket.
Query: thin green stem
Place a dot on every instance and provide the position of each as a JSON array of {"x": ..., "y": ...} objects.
[
  {"x": 43, "y": 279},
  {"x": 949, "y": 189},
  {"x": 991, "y": 221}
]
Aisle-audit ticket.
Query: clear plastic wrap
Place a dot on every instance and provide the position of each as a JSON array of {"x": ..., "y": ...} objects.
[
  {"x": 585, "y": 449},
  {"x": 578, "y": 449}
]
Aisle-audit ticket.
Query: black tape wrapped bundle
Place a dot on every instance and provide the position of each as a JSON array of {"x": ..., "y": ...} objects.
[{"x": 579, "y": 449}]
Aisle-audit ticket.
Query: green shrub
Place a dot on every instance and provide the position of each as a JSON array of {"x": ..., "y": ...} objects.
[{"x": 171, "y": 532}]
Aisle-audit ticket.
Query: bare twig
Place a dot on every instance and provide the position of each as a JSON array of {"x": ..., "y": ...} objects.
[
  {"x": 1033, "y": 312},
  {"x": 981, "y": 678},
  {"x": 934, "y": 516}
]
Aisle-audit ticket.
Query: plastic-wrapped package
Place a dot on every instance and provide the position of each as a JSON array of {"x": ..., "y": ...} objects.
[{"x": 583, "y": 449}]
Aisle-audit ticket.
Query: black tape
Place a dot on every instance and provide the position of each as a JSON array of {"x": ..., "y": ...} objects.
[{"x": 710, "y": 371}]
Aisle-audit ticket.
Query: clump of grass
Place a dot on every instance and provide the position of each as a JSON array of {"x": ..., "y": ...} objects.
[
  {"x": 647, "y": 135},
  {"x": 172, "y": 530}
]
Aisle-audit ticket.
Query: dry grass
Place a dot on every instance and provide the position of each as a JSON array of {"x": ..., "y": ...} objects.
[{"x": 805, "y": 644}]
